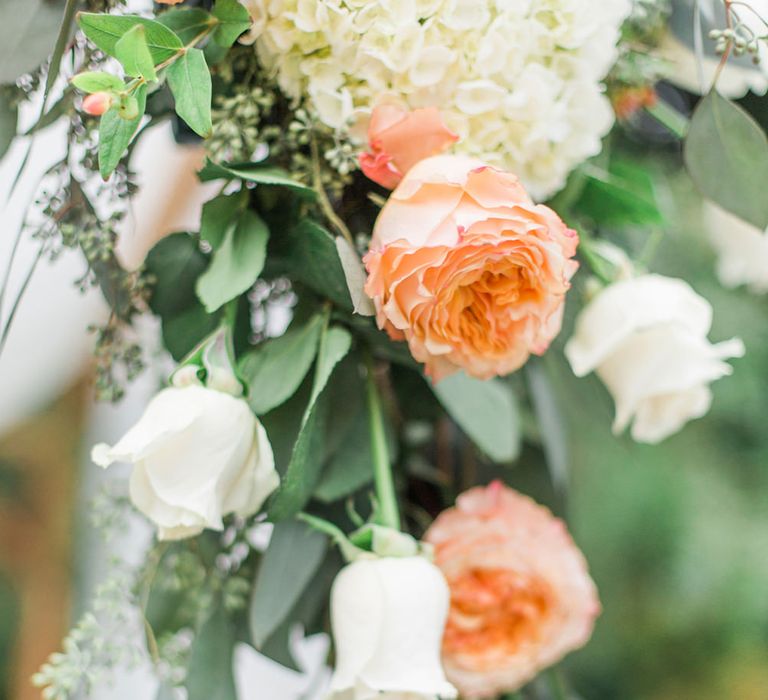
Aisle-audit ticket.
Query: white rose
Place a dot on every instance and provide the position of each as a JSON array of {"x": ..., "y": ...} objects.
[
  {"x": 646, "y": 338},
  {"x": 388, "y": 616},
  {"x": 742, "y": 249},
  {"x": 197, "y": 455}
]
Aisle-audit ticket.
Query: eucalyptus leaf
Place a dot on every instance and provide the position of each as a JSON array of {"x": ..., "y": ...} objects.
[
  {"x": 486, "y": 411},
  {"x": 726, "y": 153},
  {"x": 354, "y": 273},
  {"x": 106, "y": 30},
  {"x": 187, "y": 22},
  {"x": 28, "y": 31},
  {"x": 306, "y": 461},
  {"x": 294, "y": 554},
  {"x": 233, "y": 19},
  {"x": 116, "y": 133},
  {"x": 133, "y": 53},
  {"x": 237, "y": 264},
  {"x": 275, "y": 369},
  {"x": 8, "y": 120},
  {"x": 190, "y": 83},
  {"x": 210, "y": 671},
  {"x": 97, "y": 81}
]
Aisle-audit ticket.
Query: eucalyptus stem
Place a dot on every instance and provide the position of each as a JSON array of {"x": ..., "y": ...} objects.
[
  {"x": 669, "y": 117},
  {"x": 382, "y": 469}
]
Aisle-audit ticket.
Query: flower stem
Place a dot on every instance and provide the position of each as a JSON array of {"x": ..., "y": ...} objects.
[
  {"x": 557, "y": 685},
  {"x": 664, "y": 113},
  {"x": 382, "y": 469}
]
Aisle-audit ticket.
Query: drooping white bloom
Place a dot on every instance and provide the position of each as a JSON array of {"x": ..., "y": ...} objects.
[
  {"x": 646, "y": 338},
  {"x": 388, "y": 616},
  {"x": 742, "y": 249},
  {"x": 198, "y": 455},
  {"x": 518, "y": 81}
]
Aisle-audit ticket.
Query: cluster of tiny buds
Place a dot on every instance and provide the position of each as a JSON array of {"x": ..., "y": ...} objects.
[{"x": 741, "y": 44}]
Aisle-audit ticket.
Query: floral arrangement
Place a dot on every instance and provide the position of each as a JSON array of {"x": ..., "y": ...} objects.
[{"x": 420, "y": 195}]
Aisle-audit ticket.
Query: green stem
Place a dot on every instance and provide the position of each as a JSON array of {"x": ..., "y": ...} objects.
[
  {"x": 382, "y": 469},
  {"x": 557, "y": 685},
  {"x": 668, "y": 116},
  {"x": 322, "y": 196}
]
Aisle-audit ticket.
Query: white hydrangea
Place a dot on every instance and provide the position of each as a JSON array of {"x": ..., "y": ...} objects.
[{"x": 518, "y": 80}]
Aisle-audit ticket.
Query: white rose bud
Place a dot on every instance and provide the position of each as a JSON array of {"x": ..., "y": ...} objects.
[
  {"x": 197, "y": 455},
  {"x": 388, "y": 616},
  {"x": 646, "y": 338}
]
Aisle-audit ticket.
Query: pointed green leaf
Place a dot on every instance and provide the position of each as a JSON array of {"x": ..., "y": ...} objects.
[
  {"x": 726, "y": 153},
  {"x": 133, "y": 53},
  {"x": 210, "y": 672},
  {"x": 116, "y": 133},
  {"x": 294, "y": 554},
  {"x": 106, "y": 30},
  {"x": 190, "y": 83},
  {"x": 306, "y": 461},
  {"x": 355, "y": 275},
  {"x": 485, "y": 410},
  {"x": 187, "y": 22},
  {"x": 233, "y": 18},
  {"x": 97, "y": 81},
  {"x": 253, "y": 172},
  {"x": 8, "y": 119},
  {"x": 236, "y": 264},
  {"x": 275, "y": 369}
]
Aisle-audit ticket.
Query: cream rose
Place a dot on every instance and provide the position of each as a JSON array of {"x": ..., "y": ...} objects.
[
  {"x": 467, "y": 269},
  {"x": 387, "y": 616},
  {"x": 521, "y": 597},
  {"x": 646, "y": 338},
  {"x": 198, "y": 455},
  {"x": 742, "y": 249}
]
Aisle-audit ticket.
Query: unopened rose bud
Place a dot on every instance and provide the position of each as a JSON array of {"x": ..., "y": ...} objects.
[{"x": 97, "y": 103}]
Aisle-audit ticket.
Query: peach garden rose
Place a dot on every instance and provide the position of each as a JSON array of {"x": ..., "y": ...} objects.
[
  {"x": 467, "y": 269},
  {"x": 521, "y": 596}
]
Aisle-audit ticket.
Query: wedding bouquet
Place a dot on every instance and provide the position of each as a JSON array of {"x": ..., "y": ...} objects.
[{"x": 415, "y": 197}]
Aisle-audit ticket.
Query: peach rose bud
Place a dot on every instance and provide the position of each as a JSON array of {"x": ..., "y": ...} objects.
[
  {"x": 521, "y": 597},
  {"x": 398, "y": 139},
  {"x": 97, "y": 103},
  {"x": 467, "y": 269}
]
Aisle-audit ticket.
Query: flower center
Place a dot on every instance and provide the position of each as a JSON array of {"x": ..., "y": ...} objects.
[{"x": 494, "y": 613}]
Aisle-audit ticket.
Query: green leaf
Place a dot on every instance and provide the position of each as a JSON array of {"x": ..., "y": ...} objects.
[
  {"x": 551, "y": 423},
  {"x": 294, "y": 554},
  {"x": 28, "y": 31},
  {"x": 308, "y": 254},
  {"x": 350, "y": 468},
  {"x": 355, "y": 275},
  {"x": 726, "y": 153},
  {"x": 275, "y": 369},
  {"x": 98, "y": 81},
  {"x": 133, "y": 53},
  {"x": 623, "y": 195},
  {"x": 106, "y": 30},
  {"x": 237, "y": 264},
  {"x": 252, "y": 172},
  {"x": 210, "y": 672},
  {"x": 218, "y": 215},
  {"x": 116, "y": 133},
  {"x": 306, "y": 461},
  {"x": 8, "y": 120},
  {"x": 233, "y": 18},
  {"x": 175, "y": 263},
  {"x": 486, "y": 411},
  {"x": 190, "y": 83},
  {"x": 187, "y": 22}
]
